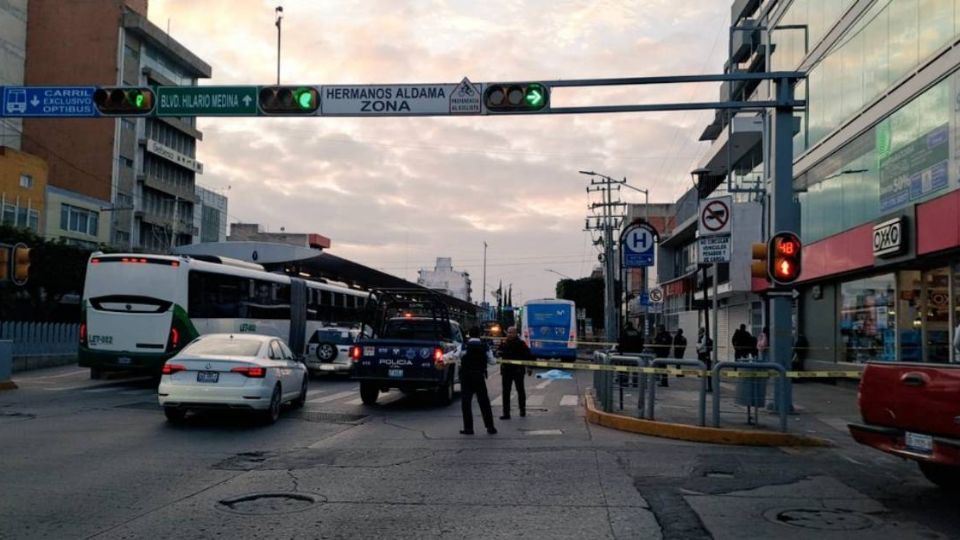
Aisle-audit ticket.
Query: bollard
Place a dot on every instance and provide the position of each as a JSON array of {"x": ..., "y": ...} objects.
[{"x": 6, "y": 365}]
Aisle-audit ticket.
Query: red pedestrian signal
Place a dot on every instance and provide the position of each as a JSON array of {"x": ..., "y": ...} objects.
[{"x": 783, "y": 260}]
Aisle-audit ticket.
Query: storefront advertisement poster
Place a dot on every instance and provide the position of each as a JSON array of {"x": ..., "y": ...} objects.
[{"x": 916, "y": 170}]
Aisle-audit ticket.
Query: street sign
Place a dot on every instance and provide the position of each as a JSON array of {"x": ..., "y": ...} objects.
[
  {"x": 793, "y": 293},
  {"x": 389, "y": 100},
  {"x": 638, "y": 244},
  {"x": 207, "y": 101},
  {"x": 52, "y": 101},
  {"x": 465, "y": 98},
  {"x": 656, "y": 295},
  {"x": 715, "y": 216},
  {"x": 714, "y": 249}
]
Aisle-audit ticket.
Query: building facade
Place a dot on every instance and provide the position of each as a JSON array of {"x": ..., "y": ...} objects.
[
  {"x": 210, "y": 216},
  {"x": 146, "y": 168},
  {"x": 876, "y": 171},
  {"x": 250, "y": 232},
  {"x": 444, "y": 278},
  {"x": 23, "y": 181},
  {"x": 13, "y": 50}
]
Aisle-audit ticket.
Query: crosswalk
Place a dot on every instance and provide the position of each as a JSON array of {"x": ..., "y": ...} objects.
[{"x": 339, "y": 396}]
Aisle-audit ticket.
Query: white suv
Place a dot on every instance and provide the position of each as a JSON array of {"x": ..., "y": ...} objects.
[{"x": 328, "y": 349}]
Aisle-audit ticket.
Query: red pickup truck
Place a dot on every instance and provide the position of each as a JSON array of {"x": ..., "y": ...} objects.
[{"x": 913, "y": 411}]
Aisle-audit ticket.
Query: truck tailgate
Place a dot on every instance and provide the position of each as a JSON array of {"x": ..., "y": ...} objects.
[
  {"x": 921, "y": 398},
  {"x": 397, "y": 359}
]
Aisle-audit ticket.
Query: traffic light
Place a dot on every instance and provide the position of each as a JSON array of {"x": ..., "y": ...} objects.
[
  {"x": 21, "y": 264},
  {"x": 784, "y": 258},
  {"x": 124, "y": 101},
  {"x": 516, "y": 97},
  {"x": 5, "y": 263},
  {"x": 289, "y": 100},
  {"x": 758, "y": 267}
]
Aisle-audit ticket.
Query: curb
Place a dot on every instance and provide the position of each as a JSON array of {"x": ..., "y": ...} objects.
[{"x": 690, "y": 433}]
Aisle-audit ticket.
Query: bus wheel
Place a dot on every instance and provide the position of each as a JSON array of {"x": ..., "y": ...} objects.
[{"x": 369, "y": 393}]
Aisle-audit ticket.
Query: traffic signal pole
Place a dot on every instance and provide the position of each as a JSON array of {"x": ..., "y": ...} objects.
[{"x": 786, "y": 217}]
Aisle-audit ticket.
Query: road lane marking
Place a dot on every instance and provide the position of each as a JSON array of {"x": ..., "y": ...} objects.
[
  {"x": 543, "y": 432},
  {"x": 332, "y": 397},
  {"x": 569, "y": 401},
  {"x": 543, "y": 385},
  {"x": 536, "y": 401},
  {"x": 68, "y": 374},
  {"x": 138, "y": 392},
  {"x": 314, "y": 393},
  {"x": 358, "y": 401},
  {"x": 99, "y": 390},
  {"x": 497, "y": 402}
]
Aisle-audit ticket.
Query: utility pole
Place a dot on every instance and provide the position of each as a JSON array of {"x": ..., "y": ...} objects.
[
  {"x": 610, "y": 217},
  {"x": 483, "y": 299},
  {"x": 279, "y": 13}
]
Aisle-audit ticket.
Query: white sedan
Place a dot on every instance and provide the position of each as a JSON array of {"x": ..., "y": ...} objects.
[{"x": 233, "y": 371}]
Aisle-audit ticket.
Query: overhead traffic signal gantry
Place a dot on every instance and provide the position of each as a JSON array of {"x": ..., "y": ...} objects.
[
  {"x": 516, "y": 97},
  {"x": 290, "y": 100},
  {"x": 784, "y": 258},
  {"x": 124, "y": 101}
]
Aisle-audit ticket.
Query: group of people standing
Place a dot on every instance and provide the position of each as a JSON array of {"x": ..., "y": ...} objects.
[
  {"x": 665, "y": 345},
  {"x": 475, "y": 359},
  {"x": 745, "y": 345}
]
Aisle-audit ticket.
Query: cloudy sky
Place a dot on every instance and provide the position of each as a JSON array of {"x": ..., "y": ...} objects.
[{"x": 395, "y": 193}]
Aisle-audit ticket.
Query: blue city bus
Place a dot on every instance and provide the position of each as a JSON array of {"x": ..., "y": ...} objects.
[{"x": 550, "y": 328}]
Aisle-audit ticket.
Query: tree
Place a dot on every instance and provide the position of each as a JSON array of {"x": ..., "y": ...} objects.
[{"x": 587, "y": 293}]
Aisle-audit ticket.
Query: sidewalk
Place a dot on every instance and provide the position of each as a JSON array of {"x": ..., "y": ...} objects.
[{"x": 821, "y": 409}]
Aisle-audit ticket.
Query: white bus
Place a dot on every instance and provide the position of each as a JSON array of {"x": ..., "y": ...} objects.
[
  {"x": 139, "y": 310},
  {"x": 550, "y": 328}
]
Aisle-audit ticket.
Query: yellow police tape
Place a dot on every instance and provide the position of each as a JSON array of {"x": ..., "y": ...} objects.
[{"x": 726, "y": 373}]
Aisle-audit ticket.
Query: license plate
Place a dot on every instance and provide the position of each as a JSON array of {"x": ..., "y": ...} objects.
[
  {"x": 919, "y": 442},
  {"x": 395, "y": 373},
  {"x": 123, "y": 360},
  {"x": 208, "y": 376}
]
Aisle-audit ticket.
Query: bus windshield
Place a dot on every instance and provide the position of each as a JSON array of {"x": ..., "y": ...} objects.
[{"x": 109, "y": 277}]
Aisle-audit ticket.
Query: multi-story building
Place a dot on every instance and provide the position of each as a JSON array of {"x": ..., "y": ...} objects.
[
  {"x": 876, "y": 170},
  {"x": 250, "y": 232},
  {"x": 143, "y": 170},
  {"x": 13, "y": 45},
  {"x": 210, "y": 216},
  {"x": 23, "y": 179},
  {"x": 444, "y": 278}
]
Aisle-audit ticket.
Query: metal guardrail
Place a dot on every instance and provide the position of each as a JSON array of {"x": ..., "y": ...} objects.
[
  {"x": 652, "y": 393},
  {"x": 781, "y": 393},
  {"x": 37, "y": 338}
]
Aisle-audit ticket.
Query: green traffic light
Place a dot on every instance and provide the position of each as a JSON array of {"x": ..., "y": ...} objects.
[
  {"x": 535, "y": 96},
  {"x": 305, "y": 99},
  {"x": 138, "y": 100}
]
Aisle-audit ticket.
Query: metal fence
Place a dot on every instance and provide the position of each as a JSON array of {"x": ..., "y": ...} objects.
[{"x": 39, "y": 338}]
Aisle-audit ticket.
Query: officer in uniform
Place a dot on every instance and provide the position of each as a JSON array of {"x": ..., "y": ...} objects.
[
  {"x": 474, "y": 360},
  {"x": 513, "y": 348}
]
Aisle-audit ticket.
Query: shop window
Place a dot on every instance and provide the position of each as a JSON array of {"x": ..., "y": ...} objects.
[{"x": 868, "y": 319}]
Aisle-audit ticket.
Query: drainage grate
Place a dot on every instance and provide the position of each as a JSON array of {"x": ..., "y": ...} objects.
[
  {"x": 330, "y": 417},
  {"x": 270, "y": 503},
  {"x": 821, "y": 519}
]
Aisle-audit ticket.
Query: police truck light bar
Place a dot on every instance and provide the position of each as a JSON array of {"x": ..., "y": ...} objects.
[{"x": 124, "y": 101}]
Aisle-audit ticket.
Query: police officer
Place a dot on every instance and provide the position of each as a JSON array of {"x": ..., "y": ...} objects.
[
  {"x": 513, "y": 348},
  {"x": 474, "y": 360}
]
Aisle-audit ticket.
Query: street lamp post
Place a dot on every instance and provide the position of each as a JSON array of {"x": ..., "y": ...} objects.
[
  {"x": 279, "y": 14},
  {"x": 557, "y": 273},
  {"x": 483, "y": 298}
]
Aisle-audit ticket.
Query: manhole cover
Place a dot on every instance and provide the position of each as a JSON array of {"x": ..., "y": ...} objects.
[
  {"x": 821, "y": 519},
  {"x": 335, "y": 418},
  {"x": 269, "y": 503}
]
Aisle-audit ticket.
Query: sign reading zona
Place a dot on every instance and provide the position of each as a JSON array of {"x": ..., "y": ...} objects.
[
  {"x": 206, "y": 101},
  {"x": 386, "y": 100}
]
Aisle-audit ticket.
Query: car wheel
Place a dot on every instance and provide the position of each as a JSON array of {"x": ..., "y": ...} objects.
[
  {"x": 369, "y": 393},
  {"x": 302, "y": 398},
  {"x": 272, "y": 414},
  {"x": 175, "y": 415},
  {"x": 445, "y": 392},
  {"x": 326, "y": 352},
  {"x": 944, "y": 476}
]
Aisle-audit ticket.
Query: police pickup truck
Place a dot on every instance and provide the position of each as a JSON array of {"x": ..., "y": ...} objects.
[{"x": 410, "y": 354}]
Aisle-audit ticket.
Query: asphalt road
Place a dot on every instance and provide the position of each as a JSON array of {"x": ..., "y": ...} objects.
[{"x": 96, "y": 459}]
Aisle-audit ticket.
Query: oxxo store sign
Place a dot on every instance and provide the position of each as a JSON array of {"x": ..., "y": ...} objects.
[{"x": 889, "y": 238}]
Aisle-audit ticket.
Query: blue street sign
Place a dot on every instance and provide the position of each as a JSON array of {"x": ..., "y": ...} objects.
[
  {"x": 639, "y": 244},
  {"x": 58, "y": 101}
]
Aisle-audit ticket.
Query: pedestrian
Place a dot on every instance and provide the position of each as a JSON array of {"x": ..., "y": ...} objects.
[
  {"x": 704, "y": 354},
  {"x": 474, "y": 360},
  {"x": 631, "y": 340},
  {"x": 679, "y": 344},
  {"x": 514, "y": 348},
  {"x": 741, "y": 343},
  {"x": 662, "y": 342},
  {"x": 763, "y": 345}
]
